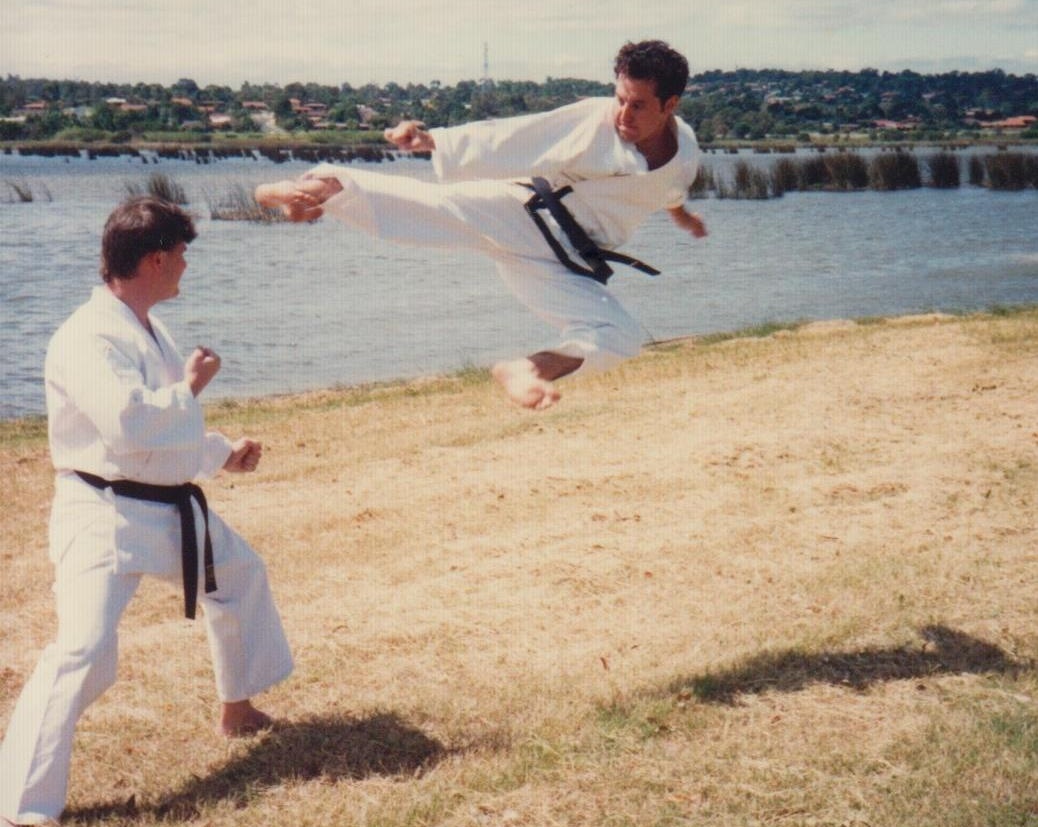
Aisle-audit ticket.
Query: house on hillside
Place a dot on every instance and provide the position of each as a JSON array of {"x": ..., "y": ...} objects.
[{"x": 1015, "y": 123}]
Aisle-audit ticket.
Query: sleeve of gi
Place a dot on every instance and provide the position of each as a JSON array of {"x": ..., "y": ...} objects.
[{"x": 516, "y": 148}]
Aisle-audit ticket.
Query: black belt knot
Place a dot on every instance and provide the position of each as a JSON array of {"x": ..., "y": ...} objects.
[
  {"x": 595, "y": 257},
  {"x": 180, "y": 496}
]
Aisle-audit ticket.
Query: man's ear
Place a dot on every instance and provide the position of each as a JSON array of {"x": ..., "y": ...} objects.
[
  {"x": 671, "y": 104},
  {"x": 150, "y": 261}
]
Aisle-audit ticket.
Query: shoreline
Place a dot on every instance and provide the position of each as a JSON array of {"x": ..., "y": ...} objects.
[{"x": 223, "y": 407}]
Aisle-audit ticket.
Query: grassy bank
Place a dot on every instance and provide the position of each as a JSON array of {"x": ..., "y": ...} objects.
[{"x": 785, "y": 579}]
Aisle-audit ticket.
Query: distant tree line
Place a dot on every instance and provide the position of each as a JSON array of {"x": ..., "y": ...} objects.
[{"x": 741, "y": 105}]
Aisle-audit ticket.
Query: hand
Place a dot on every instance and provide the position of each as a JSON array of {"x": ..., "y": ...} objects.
[
  {"x": 245, "y": 456},
  {"x": 199, "y": 369},
  {"x": 696, "y": 226},
  {"x": 410, "y": 135},
  {"x": 689, "y": 221}
]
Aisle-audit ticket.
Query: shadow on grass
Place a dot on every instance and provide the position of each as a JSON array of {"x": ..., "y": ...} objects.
[
  {"x": 944, "y": 651},
  {"x": 328, "y": 748}
]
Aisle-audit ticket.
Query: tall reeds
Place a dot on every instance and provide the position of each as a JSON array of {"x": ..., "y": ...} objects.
[
  {"x": 703, "y": 184},
  {"x": 1011, "y": 170},
  {"x": 944, "y": 170},
  {"x": 895, "y": 171},
  {"x": 749, "y": 182},
  {"x": 976, "y": 171},
  {"x": 239, "y": 204},
  {"x": 22, "y": 192},
  {"x": 160, "y": 186},
  {"x": 784, "y": 175}
]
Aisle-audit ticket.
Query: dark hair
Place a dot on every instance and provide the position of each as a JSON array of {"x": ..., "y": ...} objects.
[
  {"x": 654, "y": 60},
  {"x": 140, "y": 226}
]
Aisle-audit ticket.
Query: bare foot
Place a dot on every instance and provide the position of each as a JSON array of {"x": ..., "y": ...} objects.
[
  {"x": 240, "y": 718},
  {"x": 299, "y": 199},
  {"x": 524, "y": 386}
]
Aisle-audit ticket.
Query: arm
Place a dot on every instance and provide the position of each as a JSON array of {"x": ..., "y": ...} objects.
[
  {"x": 688, "y": 221},
  {"x": 544, "y": 143},
  {"x": 410, "y": 135}
]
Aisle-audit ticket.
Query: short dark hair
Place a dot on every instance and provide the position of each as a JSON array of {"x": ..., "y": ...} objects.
[
  {"x": 654, "y": 60},
  {"x": 140, "y": 226}
]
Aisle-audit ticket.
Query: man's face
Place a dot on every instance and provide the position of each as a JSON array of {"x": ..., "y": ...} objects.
[{"x": 641, "y": 116}]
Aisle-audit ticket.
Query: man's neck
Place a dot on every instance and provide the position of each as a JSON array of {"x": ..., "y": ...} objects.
[
  {"x": 133, "y": 299},
  {"x": 659, "y": 149}
]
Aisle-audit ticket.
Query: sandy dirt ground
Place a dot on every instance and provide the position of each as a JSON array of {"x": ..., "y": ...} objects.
[{"x": 482, "y": 571}]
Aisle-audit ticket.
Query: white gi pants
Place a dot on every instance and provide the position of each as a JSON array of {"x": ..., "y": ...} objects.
[
  {"x": 92, "y": 589},
  {"x": 488, "y": 217}
]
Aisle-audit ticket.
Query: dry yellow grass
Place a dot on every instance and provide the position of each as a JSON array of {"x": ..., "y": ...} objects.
[{"x": 764, "y": 581}]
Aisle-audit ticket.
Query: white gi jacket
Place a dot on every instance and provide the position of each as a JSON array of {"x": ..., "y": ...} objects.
[
  {"x": 118, "y": 407},
  {"x": 613, "y": 189}
]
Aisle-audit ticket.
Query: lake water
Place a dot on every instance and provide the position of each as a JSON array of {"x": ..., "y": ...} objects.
[{"x": 293, "y": 308}]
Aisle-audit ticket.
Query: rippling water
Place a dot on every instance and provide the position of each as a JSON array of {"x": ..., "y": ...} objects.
[{"x": 292, "y": 307}]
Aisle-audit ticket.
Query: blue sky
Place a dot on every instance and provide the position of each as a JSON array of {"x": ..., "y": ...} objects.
[{"x": 227, "y": 42}]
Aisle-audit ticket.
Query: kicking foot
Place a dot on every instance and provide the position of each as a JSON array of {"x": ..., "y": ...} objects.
[
  {"x": 300, "y": 199},
  {"x": 524, "y": 386},
  {"x": 241, "y": 718}
]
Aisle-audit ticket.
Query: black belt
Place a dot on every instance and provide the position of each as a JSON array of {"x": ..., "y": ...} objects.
[
  {"x": 595, "y": 256},
  {"x": 180, "y": 496}
]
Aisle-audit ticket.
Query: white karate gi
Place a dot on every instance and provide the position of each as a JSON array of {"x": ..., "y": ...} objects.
[
  {"x": 478, "y": 205},
  {"x": 118, "y": 407}
]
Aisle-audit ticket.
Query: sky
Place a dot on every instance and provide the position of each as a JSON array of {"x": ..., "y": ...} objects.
[{"x": 229, "y": 42}]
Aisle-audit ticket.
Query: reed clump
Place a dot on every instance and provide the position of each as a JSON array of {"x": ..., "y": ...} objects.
[
  {"x": 239, "y": 204},
  {"x": 703, "y": 184},
  {"x": 846, "y": 171},
  {"x": 749, "y": 182},
  {"x": 812, "y": 174},
  {"x": 22, "y": 192},
  {"x": 944, "y": 170},
  {"x": 895, "y": 171},
  {"x": 160, "y": 186},
  {"x": 977, "y": 174},
  {"x": 1011, "y": 171},
  {"x": 784, "y": 175}
]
